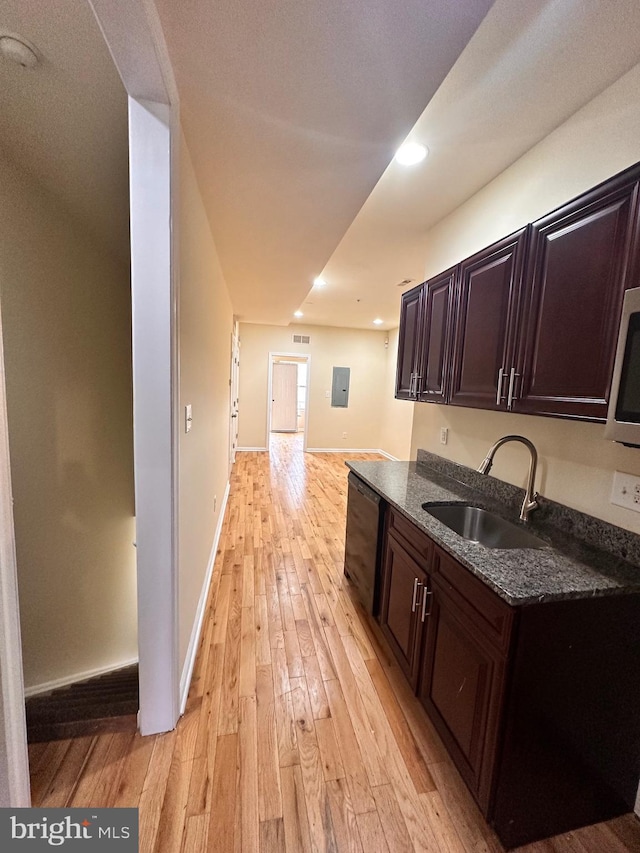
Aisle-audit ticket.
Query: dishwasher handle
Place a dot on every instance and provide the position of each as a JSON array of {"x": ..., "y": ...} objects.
[{"x": 366, "y": 491}]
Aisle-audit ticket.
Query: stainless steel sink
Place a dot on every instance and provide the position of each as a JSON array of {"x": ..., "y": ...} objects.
[{"x": 480, "y": 525}]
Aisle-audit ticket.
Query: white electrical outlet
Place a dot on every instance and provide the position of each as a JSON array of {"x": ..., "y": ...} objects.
[
  {"x": 215, "y": 502},
  {"x": 444, "y": 435},
  {"x": 626, "y": 491},
  {"x": 344, "y": 435}
]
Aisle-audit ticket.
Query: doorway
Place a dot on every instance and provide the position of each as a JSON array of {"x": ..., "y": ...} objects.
[{"x": 288, "y": 396}]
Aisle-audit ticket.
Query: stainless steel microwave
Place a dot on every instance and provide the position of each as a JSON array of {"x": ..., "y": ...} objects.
[{"x": 623, "y": 417}]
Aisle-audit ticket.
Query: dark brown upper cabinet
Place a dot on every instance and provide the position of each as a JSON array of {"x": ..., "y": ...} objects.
[
  {"x": 581, "y": 260},
  {"x": 435, "y": 363},
  {"x": 484, "y": 343},
  {"x": 409, "y": 341}
]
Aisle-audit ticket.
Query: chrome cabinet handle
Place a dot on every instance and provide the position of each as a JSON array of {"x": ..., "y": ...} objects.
[
  {"x": 511, "y": 394},
  {"x": 415, "y": 390},
  {"x": 425, "y": 593},
  {"x": 411, "y": 385},
  {"x": 416, "y": 584},
  {"x": 500, "y": 381}
]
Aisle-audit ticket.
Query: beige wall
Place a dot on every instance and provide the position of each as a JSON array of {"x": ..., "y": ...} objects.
[
  {"x": 396, "y": 416},
  {"x": 577, "y": 464},
  {"x": 359, "y": 349},
  {"x": 67, "y": 326},
  {"x": 205, "y": 326}
]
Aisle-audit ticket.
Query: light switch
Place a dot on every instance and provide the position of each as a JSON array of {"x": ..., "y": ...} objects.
[{"x": 188, "y": 418}]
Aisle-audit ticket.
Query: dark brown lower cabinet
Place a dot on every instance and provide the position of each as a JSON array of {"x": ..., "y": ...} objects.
[
  {"x": 461, "y": 686},
  {"x": 405, "y": 585},
  {"x": 537, "y": 705}
]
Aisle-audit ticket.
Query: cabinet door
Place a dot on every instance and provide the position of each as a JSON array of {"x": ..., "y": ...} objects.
[
  {"x": 461, "y": 687},
  {"x": 409, "y": 343},
  {"x": 580, "y": 263},
  {"x": 401, "y": 611},
  {"x": 486, "y": 311},
  {"x": 433, "y": 384}
]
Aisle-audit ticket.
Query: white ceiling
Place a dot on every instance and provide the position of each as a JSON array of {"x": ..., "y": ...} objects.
[
  {"x": 65, "y": 121},
  {"x": 292, "y": 112}
]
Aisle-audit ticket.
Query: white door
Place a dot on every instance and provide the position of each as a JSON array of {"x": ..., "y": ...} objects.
[
  {"x": 235, "y": 370},
  {"x": 284, "y": 397}
]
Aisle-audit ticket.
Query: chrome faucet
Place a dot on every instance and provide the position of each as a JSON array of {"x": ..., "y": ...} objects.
[{"x": 530, "y": 501}]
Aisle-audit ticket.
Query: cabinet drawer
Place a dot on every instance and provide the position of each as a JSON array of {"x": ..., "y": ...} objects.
[
  {"x": 482, "y": 607},
  {"x": 421, "y": 544}
]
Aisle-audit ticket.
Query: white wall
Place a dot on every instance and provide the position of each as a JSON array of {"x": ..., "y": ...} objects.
[
  {"x": 67, "y": 327},
  {"x": 577, "y": 464},
  {"x": 396, "y": 416},
  {"x": 205, "y": 327},
  {"x": 361, "y": 350}
]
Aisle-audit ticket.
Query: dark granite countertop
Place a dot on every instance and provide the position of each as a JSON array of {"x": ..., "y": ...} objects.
[{"x": 570, "y": 566}]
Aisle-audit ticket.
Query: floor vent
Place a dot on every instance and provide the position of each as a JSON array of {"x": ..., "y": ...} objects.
[
  {"x": 107, "y": 703},
  {"x": 301, "y": 339}
]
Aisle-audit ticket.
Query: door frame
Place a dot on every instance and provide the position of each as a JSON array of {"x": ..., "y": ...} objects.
[
  {"x": 133, "y": 34},
  {"x": 234, "y": 395},
  {"x": 298, "y": 357},
  {"x": 14, "y": 756}
]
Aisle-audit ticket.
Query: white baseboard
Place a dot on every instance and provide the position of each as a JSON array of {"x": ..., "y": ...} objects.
[
  {"x": 254, "y": 449},
  {"x": 389, "y": 456},
  {"x": 194, "y": 642},
  {"x": 350, "y": 450},
  {"x": 48, "y": 686}
]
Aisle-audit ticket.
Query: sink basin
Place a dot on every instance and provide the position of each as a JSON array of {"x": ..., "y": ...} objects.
[{"x": 480, "y": 525}]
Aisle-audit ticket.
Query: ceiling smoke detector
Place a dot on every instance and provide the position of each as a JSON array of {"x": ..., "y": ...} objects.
[{"x": 19, "y": 50}]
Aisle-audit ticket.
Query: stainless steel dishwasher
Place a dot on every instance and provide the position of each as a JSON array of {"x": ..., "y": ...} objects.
[{"x": 365, "y": 517}]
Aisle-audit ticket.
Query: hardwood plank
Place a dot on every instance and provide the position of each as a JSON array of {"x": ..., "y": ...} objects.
[
  {"x": 393, "y": 825},
  {"x": 173, "y": 815},
  {"x": 196, "y": 831},
  {"x": 325, "y": 661},
  {"x": 362, "y": 725},
  {"x": 371, "y": 833},
  {"x": 247, "y": 682},
  {"x": 248, "y": 738},
  {"x": 263, "y": 647},
  {"x": 286, "y": 730},
  {"x": 296, "y": 823},
  {"x": 305, "y": 640},
  {"x": 68, "y": 772},
  {"x": 270, "y": 798},
  {"x": 320, "y": 826},
  {"x": 329, "y": 752},
  {"x": 343, "y": 817},
  {"x": 221, "y": 832},
  {"x": 50, "y": 765},
  {"x": 462, "y": 808},
  {"x": 361, "y": 794},
  {"x": 272, "y": 838},
  {"x": 134, "y": 772},
  {"x": 294, "y": 655},
  {"x": 106, "y": 789},
  {"x": 420, "y": 776},
  {"x": 315, "y": 688}
]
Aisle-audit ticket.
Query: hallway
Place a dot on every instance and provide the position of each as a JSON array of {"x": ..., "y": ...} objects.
[{"x": 300, "y": 734}]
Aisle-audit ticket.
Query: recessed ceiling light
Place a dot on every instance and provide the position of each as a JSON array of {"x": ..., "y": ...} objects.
[
  {"x": 378, "y": 321},
  {"x": 298, "y": 314},
  {"x": 319, "y": 282},
  {"x": 411, "y": 153}
]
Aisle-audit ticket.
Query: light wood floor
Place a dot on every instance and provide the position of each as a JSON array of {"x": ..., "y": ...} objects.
[{"x": 300, "y": 733}]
